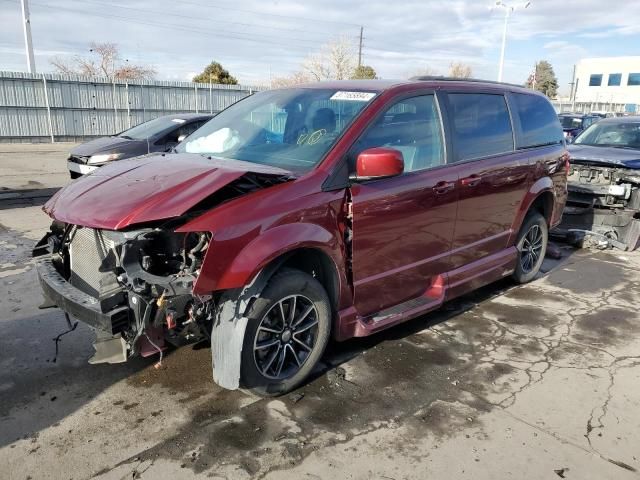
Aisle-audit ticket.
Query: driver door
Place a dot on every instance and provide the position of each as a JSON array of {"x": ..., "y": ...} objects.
[{"x": 403, "y": 226}]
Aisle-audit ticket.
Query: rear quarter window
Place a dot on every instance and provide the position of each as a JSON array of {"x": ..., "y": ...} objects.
[
  {"x": 538, "y": 121},
  {"x": 481, "y": 125}
]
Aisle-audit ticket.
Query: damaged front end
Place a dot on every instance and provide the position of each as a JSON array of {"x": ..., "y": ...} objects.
[
  {"x": 603, "y": 204},
  {"x": 133, "y": 287}
]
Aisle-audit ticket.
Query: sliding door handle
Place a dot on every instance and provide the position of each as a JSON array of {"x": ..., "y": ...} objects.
[
  {"x": 471, "y": 181},
  {"x": 443, "y": 187}
]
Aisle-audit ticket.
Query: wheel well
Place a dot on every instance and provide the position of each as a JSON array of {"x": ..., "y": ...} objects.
[
  {"x": 544, "y": 205},
  {"x": 317, "y": 264}
]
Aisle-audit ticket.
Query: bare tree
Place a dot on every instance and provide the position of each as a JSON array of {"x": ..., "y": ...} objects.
[
  {"x": 460, "y": 70},
  {"x": 63, "y": 66},
  {"x": 292, "y": 80},
  {"x": 425, "y": 71},
  {"x": 134, "y": 72},
  {"x": 104, "y": 62},
  {"x": 335, "y": 61}
]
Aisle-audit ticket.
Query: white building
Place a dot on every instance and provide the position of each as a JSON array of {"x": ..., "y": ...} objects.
[{"x": 608, "y": 80}]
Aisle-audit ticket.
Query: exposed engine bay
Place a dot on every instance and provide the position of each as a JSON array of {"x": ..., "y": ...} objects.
[
  {"x": 603, "y": 205},
  {"x": 142, "y": 280}
]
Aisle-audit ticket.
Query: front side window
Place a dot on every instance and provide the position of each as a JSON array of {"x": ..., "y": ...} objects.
[
  {"x": 482, "y": 126},
  {"x": 614, "y": 79},
  {"x": 185, "y": 130},
  {"x": 634, "y": 79},
  {"x": 595, "y": 80},
  {"x": 290, "y": 128},
  {"x": 538, "y": 120},
  {"x": 411, "y": 126}
]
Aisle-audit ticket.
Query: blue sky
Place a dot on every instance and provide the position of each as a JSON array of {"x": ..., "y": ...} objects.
[{"x": 258, "y": 38}]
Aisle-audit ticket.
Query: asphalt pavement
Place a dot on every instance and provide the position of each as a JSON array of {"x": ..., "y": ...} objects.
[{"x": 534, "y": 382}]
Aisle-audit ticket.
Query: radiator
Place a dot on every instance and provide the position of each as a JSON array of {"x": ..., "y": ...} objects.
[{"x": 88, "y": 248}]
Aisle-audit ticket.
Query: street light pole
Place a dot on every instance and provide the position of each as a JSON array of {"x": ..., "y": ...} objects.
[
  {"x": 508, "y": 10},
  {"x": 26, "y": 24}
]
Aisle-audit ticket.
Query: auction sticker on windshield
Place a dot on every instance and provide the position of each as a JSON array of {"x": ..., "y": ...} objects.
[{"x": 353, "y": 96}]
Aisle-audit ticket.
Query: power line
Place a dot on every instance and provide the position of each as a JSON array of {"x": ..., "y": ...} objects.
[
  {"x": 228, "y": 35},
  {"x": 315, "y": 20},
  {"x": 189, "y": 17}
]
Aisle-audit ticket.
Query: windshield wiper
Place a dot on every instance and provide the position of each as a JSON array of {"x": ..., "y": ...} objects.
[{"x": 126, "y": 136}]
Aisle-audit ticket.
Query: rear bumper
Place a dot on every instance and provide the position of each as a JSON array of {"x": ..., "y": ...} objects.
[{"x": 74, "y": 301}]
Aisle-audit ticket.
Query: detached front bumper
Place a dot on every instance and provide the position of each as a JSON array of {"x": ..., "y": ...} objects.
[{"x": 74, "y": 301}]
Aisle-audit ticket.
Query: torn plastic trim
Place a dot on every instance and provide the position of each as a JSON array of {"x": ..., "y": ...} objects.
[{"x": 229, "y": 326}]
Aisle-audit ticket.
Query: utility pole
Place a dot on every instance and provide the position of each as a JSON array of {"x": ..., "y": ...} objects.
[
  {"x": 572, "y": 82},
  {"x": 26, "y": 23},
  {"x": 360, "y": 48}
]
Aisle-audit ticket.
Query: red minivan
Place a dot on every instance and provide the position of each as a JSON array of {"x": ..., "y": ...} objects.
[{"x": 334, "y": 209}]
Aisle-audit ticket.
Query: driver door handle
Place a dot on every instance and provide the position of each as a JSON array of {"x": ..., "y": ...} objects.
[{"x": 443, "y": 187}]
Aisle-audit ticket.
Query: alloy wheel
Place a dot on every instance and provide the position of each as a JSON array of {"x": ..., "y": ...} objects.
[
  {"x": 531, "y": 249},
  {"x": 285, "y": 337}
]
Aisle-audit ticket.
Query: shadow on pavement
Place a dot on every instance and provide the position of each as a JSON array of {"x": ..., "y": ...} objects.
[{"x": 19, "y": 198}]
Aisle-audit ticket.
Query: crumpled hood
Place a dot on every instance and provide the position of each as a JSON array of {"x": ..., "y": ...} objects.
[
  {"x": 107, "y": 145},
  {"x": 146, "y": 189},
  {"x": 606, "y": 155}
]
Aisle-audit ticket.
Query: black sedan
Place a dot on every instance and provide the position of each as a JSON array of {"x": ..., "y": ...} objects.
[{"x": 158, "y": 135}]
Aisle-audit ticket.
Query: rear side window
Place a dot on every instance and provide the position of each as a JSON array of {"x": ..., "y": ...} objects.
[
  {"x": 538, "y": 120},
  {"x": 481, "y": 124}
]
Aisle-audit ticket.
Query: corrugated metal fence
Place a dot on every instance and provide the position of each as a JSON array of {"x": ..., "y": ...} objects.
[{"x": 46, "y": 108}]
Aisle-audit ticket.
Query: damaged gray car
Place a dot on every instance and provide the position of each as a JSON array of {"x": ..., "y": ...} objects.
[{"x": 604, "y": 186}]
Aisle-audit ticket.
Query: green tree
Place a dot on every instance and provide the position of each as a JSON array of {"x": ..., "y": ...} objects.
[
  {"x": 543, "y": 79},
  {"x": 215, "y": 73},
  {"x": 364, "y": 72}
]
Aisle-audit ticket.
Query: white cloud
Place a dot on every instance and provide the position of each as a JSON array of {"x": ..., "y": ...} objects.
[{"x": 253, "y": 38}]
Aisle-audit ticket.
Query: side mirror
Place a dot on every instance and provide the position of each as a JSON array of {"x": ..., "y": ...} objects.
[
  {"x": 379, "y": 162},
  {"x": 181, "y": 138}
]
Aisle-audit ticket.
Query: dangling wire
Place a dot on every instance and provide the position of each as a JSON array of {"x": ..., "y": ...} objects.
[{"x": 71, "y": 328}]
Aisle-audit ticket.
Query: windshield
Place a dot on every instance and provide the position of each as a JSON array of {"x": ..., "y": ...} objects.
[
  {"x": 570, "y": 122},
  {"x": 622, "y": 135},
  {"x": 151, "y": 128},
  {"x": 290, "y": 128}
]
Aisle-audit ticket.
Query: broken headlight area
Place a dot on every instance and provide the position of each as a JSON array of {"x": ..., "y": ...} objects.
[
  {"x": 604, "y": 205},
  {"x": 142, "y": 281}
]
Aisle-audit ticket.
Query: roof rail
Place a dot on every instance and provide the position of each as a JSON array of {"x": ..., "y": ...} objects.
[{"x": 423, "y": 78}]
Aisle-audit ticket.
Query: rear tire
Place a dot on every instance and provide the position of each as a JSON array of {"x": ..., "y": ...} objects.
[
  {"x": 532, "y": 247},
  {"x": 287, "y": 333}
]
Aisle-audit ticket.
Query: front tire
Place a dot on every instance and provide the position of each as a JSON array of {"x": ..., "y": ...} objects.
[
  {"x": 532, "y": 247},
  {"x": 287, "y": 333}
]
